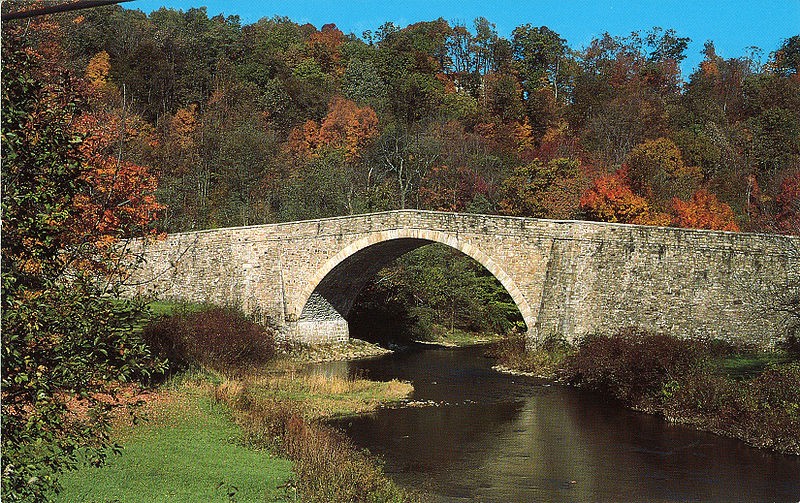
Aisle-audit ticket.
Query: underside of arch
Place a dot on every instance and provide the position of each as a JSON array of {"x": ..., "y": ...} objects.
[{"x": 329, "y": 297}]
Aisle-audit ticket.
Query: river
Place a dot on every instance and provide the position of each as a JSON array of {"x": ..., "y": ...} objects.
[{"x": 479, "y": 435}]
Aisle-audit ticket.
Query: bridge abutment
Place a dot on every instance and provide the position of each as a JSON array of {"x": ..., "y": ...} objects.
[{"x": 332, "y": 331}]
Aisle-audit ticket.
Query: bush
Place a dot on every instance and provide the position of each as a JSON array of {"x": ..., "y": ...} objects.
[
  {"x": 635, "y": 366},
  {"x": 765, "y": 411},
  {"x": 220, "y": 339},
  {"x": 773, "y": 408},
  {"x": 673, "y": 377}
]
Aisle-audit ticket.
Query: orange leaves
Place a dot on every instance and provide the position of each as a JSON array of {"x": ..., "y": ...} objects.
[
  {"x": 183, "y": 126},
  {"x": 610, "y": 199},
  {"x": 704, "y": 211},
  {"x": 120, "y": 200},
  {"x": 324, "y": 47},
  {"x": 347, "y": 126}
]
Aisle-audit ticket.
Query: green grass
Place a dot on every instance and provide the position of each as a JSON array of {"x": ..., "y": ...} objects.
[
  {"x": 166, "y": 307},
  {"x": 189, "y": 452},
  {"x": 748, "y": 365},
  {"x": 457, "y": 337}
]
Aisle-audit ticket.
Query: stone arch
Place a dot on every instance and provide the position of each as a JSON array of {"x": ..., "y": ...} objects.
[{"x": 327, "y": 297}]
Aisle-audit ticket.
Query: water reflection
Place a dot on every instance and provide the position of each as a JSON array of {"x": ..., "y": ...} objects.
[{"x": 494, "y": 437}]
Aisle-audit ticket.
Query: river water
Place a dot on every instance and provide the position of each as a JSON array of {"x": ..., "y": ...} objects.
[{"x": 480, "y": 435}]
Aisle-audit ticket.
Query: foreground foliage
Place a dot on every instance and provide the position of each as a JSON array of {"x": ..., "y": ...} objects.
[
  {"x": 279, "y": 405},
  {"x": 327, "y": 466},
  {"x": 67, "y": 341}
]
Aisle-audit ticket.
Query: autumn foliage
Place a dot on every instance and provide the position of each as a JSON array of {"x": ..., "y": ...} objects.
[
  {"x": 704, "y": 211},
  {"x": 610, "y": 199},
  {"x": 788, "y": 218},
  {"x": 346, "y": 126},
  {"x": 451, "y": 189},
  {"x": 544, "y": 190},
  {"x": 70, "y": 194}
]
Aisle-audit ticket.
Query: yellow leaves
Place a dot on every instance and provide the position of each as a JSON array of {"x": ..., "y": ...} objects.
[
  {"x": 31, "y": 266},
  {"x": 656, "y": 170},
  {"x": 523, "y": 134},
  {"x": 710, "y": 69},
  {"x": 98, "y": 69}
]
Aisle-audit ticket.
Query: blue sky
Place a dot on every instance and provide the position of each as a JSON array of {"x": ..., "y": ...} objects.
[{"x": 733, "y": 25}]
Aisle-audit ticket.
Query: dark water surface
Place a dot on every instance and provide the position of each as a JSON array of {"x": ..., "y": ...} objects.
[{"x": 498, "y": 438}]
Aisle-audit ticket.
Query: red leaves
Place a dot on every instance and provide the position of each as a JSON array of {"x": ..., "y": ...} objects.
[{"x": 788, "y": 218}]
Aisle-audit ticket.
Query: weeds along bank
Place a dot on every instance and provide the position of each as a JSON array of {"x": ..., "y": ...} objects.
[
  {"x": 219, "y": 360},
  {"x": 739, "y": 392}
]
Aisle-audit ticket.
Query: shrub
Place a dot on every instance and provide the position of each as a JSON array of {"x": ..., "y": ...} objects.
[
  {"x": 217, "y": 338},
  {"x": 773, "y": 408},
  {"x": 634, "y": 366}
]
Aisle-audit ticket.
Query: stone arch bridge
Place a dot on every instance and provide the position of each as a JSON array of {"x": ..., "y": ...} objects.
[{"x": 568, "y": 278}]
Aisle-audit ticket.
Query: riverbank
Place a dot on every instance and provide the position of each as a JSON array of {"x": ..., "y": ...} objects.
[
  {"x": 187, "y": 448},
  {"x": 259, "y": 437},
  {"x": 240, "y": 419},
  {"x": 713, "y": 386}
]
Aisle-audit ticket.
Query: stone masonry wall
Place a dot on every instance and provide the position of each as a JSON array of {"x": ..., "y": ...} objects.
[{"x": 568, "y": 278}]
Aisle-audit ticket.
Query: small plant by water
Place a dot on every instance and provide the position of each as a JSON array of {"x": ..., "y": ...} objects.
[{"x": 543, "y": 360}]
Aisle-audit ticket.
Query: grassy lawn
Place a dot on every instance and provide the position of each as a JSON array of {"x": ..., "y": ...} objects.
[
  {"x": 165, "y": 307},
  {"x": 189, "y": 451}
]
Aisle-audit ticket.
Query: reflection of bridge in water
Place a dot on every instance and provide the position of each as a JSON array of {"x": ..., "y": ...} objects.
[{"x": 567, "y": 278}]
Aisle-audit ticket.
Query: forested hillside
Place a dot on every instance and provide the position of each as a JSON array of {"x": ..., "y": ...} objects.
[
  {"x": 275, "y": 121},
  {"x": 193, "y": 122}
]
